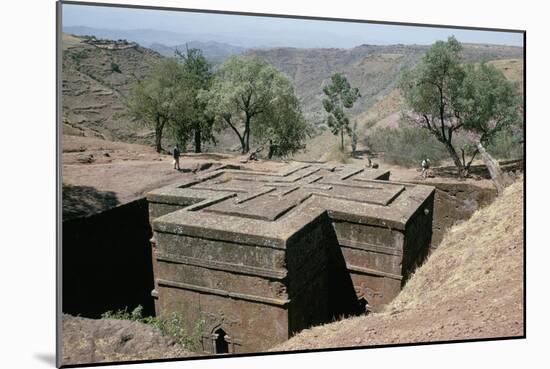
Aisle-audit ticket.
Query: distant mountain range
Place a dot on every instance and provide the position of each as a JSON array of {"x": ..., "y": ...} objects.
[
  {"x": 269, "y": 36},
  {"x": 163, "y": 42},
  {"x": 144, "y": 37},
  {"x": 215, "y": 52}
]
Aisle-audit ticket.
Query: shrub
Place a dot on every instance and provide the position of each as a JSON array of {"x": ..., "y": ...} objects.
[
  {"x": 115, "y": 67},
  {"x": 506, "y": 145},
  {"x": 172, "y": 326},
  {"x": 407, "y": 145},
  {"x": 338, "y": 155}
]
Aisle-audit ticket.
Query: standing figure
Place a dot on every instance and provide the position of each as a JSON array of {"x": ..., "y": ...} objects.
[
  {"x": 425, "y": 166},
  {"x": 176, "y": 156}
]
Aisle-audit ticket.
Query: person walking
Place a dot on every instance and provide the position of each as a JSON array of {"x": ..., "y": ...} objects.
[{"x": 176, "y": 156}]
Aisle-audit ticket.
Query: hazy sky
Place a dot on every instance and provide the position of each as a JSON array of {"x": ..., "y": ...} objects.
[{"x": 267, "y": 31}]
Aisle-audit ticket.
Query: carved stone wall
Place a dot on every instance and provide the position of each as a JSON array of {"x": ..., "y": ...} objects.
[{"x": 260, "y": 256}]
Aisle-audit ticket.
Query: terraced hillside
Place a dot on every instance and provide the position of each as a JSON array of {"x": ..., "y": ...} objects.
[{"x": 96, "y": 77}]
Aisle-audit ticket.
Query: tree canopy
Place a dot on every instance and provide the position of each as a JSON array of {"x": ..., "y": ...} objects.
[
  {"x": 445, "y": 96},
  {"x": 193, "y": 118},
  {"x": 253, "y": 98},
  {"x": 283, "y": 126},
  {"x": 170, "y": 98},
  {"x": 340, "y": 95},
  {"x": 489, "y": 103},
  {"x": 153, "y": 100}
]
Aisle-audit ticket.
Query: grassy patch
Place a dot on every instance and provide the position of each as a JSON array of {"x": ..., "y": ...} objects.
[
  {"x": 172, "y": 326},
  {"x": 505, "y": 146},
  {"x": 406, "y": 146},
  {"x": 338, "y": 155}
]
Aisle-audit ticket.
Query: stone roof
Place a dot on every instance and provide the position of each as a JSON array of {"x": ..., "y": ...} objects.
[{"x": 266, "y": 208}]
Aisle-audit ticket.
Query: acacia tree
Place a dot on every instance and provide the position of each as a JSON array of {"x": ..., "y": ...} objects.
[
  {"x": 340, "y": 95},
  {"x": 445, "y": 96},
  {"x": 246, "y": 91},
  {"x": 152, "y": 101}
]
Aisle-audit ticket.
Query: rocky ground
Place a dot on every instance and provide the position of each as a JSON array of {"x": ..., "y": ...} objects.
[
  {"x": 106, "y": 340},
  {"x": 100, "y": 174},
  {"x": 471, "y": 287}
]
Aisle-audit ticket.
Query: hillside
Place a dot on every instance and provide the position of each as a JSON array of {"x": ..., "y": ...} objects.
[
  {"x": 214, "y": 52},
  {"x": 374, "y": 69},
  {"x": 96, "y": 77},
  {"x": 385, "y": 112},
  {"x": 512, "y": 69},
  {"x": 470, "y": 287}
]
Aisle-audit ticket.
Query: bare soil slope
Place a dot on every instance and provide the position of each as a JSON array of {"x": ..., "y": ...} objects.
[
  {"x": 512, "y": 69},
  {"x": 105, "y": 340},
  {"x": 471, "y": 287}
]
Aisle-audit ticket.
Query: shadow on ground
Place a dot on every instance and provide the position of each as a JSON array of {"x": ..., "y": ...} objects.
[{"x": 82, "y": 201}]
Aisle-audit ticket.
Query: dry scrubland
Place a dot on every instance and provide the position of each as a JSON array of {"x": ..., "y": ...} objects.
[
  {"x": 470, "y": 287},
  {"x": 93, "y": 341},
  {"x": 386, "y": 113}
]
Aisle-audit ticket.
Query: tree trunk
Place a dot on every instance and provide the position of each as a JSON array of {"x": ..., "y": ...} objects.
[
  {"x": 158, "y": 146},
  {"x": 247, "y": 134},
  {"x": 456, "y": 159},
  {"x": 158, "y": 134},
  {"x": 342, "y": 139},
  {"x": 243, "y": 145},
  {"x": 270, "y": 154},
  {"x": 241, "y": 138},
  {"x": 500, "y": 179},
  {"x": 197, "y": 140}
]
